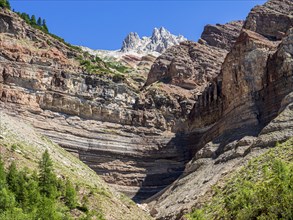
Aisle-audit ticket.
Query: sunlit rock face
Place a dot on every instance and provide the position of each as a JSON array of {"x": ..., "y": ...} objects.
[{"x": 241, "y": 112}]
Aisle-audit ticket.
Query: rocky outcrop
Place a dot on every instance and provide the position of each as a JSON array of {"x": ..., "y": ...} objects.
[
  {"x": 271, "y": 20},
  {"x": 221, "y": 36},
  {"x": 241, "y": 112},
  {"x": 188, "y": 65},
  {"x": 160, "y": 40},
  {"x": 192, "y": 65}
]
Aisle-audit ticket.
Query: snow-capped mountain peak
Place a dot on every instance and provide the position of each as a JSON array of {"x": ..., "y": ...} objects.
[{"x": 160, "y": 40}]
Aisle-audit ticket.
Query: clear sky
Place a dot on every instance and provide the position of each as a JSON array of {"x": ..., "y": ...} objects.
[{"x": 104, "y": 24}]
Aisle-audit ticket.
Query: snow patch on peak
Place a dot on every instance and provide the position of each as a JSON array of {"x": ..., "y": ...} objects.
[{"x": 160, "y": 40}]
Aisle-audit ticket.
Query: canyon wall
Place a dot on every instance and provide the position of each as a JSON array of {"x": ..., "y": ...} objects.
[
  {"x": 132, "y": 138},
  {"x": 204, "y": 110},
  {"x": 243, "y": 111}
]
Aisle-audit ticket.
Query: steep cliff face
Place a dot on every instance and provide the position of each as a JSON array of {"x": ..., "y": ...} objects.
[
  {"x": 221, "y": 36},
  {"x": 131, "y": 138},
  {"x": 210, "y": 105},
  {"x": 241, "y": 112},
  {"x": 110, "y": 126}
]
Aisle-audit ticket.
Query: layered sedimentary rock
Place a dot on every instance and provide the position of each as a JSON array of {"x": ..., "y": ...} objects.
[
  {"x": 211, "y": 104},
  {"x": 121, "y": 134},
  {"x": 192, "y": 65},
  {"x": 131, "y": 138},
  {"x": 188, "y": 65},
  {"x": 221, "y": 36},
  {"x": 244, "y": 110}
]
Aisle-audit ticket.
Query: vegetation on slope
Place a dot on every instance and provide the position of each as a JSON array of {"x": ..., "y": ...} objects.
[
  {"x": 95, "y": 65},
  {"x": 263, "y": 189},
  {"x": 93, "y": 200},
  {"x": 36, "y": 23},
  {"x": 5, "y": 4},
  {"x": 31, "y": 20},
  {"x": 28, "y": 195}
]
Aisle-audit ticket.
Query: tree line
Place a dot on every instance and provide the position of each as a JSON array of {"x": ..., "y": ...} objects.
[{"x": 36, "y": 23}]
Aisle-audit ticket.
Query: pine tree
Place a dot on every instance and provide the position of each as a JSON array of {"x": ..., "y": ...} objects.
[
  {"x": 47, "y": 178},
  {"x": 34, "y": 196},
  {"x": 26, "y": 17},
  {"x": 22, "y": 196},
  {"x": 8, "y": 5},
  {"x": 33, "y": 20},
  {"x": 2, "y": 174},
  {"x": 39, "y": 22},
  {"x": 12, "y": 178},
  {"x": 44, "y": 25},
  {"x": 7, "y": 201},
  {"x": 70, "y": 195}
]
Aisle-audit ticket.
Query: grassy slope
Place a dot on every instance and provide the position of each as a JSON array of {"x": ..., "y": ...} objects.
[
  {"x": 262, "y": 189},
  {"x": 20, "y": 143}
]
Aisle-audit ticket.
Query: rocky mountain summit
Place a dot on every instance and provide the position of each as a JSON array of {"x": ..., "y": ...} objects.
[
  {"x": 160, "y": 40},
  {"x": 205, "y": 108}
]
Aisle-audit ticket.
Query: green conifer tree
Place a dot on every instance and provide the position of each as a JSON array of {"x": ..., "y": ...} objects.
[
  {"x": 47, "y": 178},
  {"x": 22, "y": 196},
  {"x": 12, "y": 178},
  {"x": 2, "y": 174},
  {"x": 39, "y": 22},
  {"x": 70, "y": 195},
  {"x": 33, "y": 20},
  {"x": 45, "y": 27}
]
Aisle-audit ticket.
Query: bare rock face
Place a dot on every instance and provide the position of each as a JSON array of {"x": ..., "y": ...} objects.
[
  {"x": 192, "y": 65},
  {"x": 244, "y": 110},
  {"x": 221, "y": 36},
  {"x": 125, "y": 136},
  {"x": 272, "y": 19},
  {"x": 188, "y": 65}
]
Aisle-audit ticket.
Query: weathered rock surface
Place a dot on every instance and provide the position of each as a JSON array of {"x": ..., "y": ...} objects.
[
  {"x": 210, "y": 105},
  {"x": 272, "y": 19},
  {"x": 188, "y": 65},
  {"x": 28, "y": 148},
  {"x": 125, "y": 136},
  {"x": 221, "y": 36},
  {"x": 192, "y": 65},
  {"x": 244, "y": 110}
]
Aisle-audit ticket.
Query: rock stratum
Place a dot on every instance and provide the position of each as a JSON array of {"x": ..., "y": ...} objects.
[{"x": 204, "y": 110}]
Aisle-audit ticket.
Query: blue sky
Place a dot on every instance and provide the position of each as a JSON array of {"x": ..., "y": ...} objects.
[{"x": 104, "y": 24}]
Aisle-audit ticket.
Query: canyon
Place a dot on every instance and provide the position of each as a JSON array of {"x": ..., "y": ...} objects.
[{"x": 203, "y": 109}]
